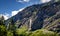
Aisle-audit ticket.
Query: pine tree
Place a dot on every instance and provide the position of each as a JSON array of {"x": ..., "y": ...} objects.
[
  {"x": 1, "y": 20},
  {"x": 3, "y": 30}
]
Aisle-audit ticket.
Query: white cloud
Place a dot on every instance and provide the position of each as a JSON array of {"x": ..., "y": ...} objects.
[
  {"x": 6, "y": 16},
  {"x": 43, "y": 1},
  {"x": 26, "y": 0},
  {"x": 22, "y": 1},
  {"x": 15, "y": 12}
]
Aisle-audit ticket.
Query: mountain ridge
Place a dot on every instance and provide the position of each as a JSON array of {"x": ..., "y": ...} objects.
[{"x": 34, "y": 16}]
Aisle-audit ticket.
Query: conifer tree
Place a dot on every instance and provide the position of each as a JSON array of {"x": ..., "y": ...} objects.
[{"x": 1, "y": 20}]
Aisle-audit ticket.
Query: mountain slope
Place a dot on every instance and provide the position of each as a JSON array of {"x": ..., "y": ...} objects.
[{"x": 38, "y": 16}]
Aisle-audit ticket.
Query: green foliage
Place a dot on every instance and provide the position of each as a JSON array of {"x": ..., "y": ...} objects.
[
  {"x": 43, "y": 32},
  {"x": 21, "y": 31},
  {"x": 28, "y": 33},
  {"x": 9, "y": 33},
  {"x": 3, "y": 30},
  {"x": 24, "y": 32}
]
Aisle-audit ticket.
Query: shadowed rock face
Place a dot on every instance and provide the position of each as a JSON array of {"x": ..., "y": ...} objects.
[{"x": 38, "y": 15}]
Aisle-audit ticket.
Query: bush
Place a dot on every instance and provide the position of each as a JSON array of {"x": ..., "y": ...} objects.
[
  {"x": 9, "y": 33},
  {"x": 43, "y": 32},
  {"x": 21, "y": 31},
  {"x": 24, "y": 32},
  {"x": 3, "y": 30}
]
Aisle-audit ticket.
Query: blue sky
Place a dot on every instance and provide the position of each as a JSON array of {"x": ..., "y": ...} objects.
[{"x": 9, "y": 8}]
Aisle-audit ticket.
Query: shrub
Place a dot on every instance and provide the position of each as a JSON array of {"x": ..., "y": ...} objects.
[
  {"x": 9, "y": 33},
  {"x": 3, "y": 30},
  {"x": 43, "y": 32},
  {"x": 21, "y": 31}
]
